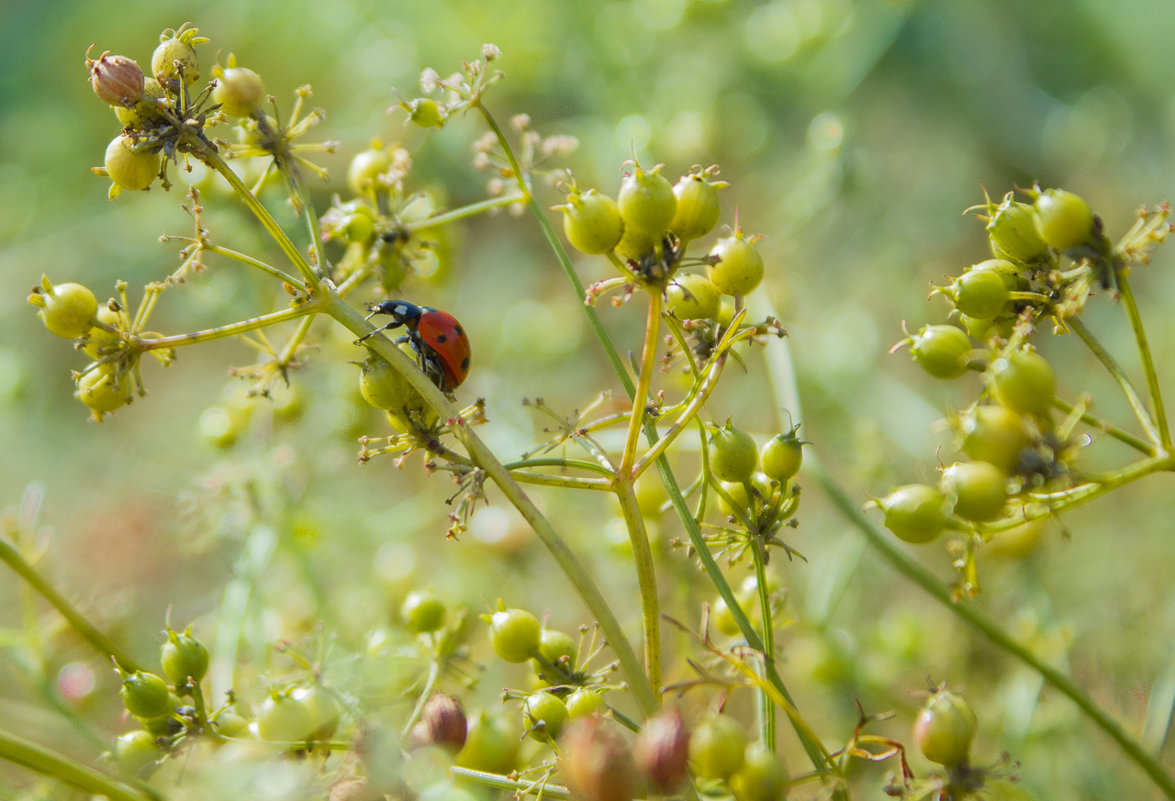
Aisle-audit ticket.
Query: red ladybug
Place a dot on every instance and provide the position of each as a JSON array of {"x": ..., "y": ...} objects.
[{"x": 436, "y": 336}]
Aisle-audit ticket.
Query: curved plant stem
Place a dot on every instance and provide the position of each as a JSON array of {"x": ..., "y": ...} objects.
[
  {"x": 1120, "y": 377},
  {"x": 231, "y": 330},
  {"x": 1148, "y": 363},
  {"x": 767, "y": 707},
  {"x": 1109, "y": 429},
  {"x": 434, "y": 673},
  {"x": 646, "y": 575},
  {"x": 245, "y": 258},
  {"x": 640, "y": 400},
  {"x": 42, "y": 760},
  {"x": 216, "y": 162},
  {"x": 88, "y": 632},
  {"x": 988, "y": 626}
]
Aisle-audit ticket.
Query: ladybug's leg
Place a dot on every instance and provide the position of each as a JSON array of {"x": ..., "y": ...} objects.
[{"x": 388, "y": 327}]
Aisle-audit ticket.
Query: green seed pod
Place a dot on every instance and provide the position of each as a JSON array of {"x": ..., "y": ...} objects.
[
  {"x": 980, "y": 490},
  {"x": 782, "y": 455},
  {"x": 184, "y": 659},
  {"x": 422, "y": 612},
  {"x": 692, "y": 297},
  {"x": 732, "y": 453},
  {"x": 1024, "y": 382},
  {"x": 592, "y": 222},
  {"x": 544, "y": 715},
  {"x": 993, "y": 434},
  {"x": 646, "y": 201},
  {"x": 737, "y": 267},
  {"x": 145, "y": 695},
  {"x": 175, "y": 57},
  {"x": 135, "y": 753},
  {"x": 425, "y": 113},
  {"x": 102, "y": 390},
  {"x": 67, "y": 310},
  {"x": 980, "y": 293},
  {"x": 583, "y": 702},
  {"x": 945, "y": 728},
  {"x": 128, "y": 168},
  {"x": 717, "y": 747},
  {"x": 698, "y": 208},
  {"x": 916, "y": 513},
  {"x": 366, "y": 167},
  {"x": 1063, "y": 219},
  {"x": 515, "y": 634},
  {"x": 941, "y": 350},
  {"x": 1012, "y": 232},
  {"x": 239, "y": 91},
  {"x": 762, "y": 777},
  {"x": 491, "y": 745}
]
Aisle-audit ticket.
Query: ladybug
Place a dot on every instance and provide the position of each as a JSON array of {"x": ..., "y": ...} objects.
[{"x": 435, "y": 335}]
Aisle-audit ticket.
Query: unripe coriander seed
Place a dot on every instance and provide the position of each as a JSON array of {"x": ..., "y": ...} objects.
[
  {"x": 646, "y": 201},
  {"x": 737, "y": 267},
  {"x": 698, "y": 207},
  {"x": 239, "y": 91},
  {"x": 945, "y": 728},
  {"x": 592, "y": 222}
]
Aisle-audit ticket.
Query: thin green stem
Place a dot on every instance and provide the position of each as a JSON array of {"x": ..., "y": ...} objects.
[
  {"x": 216, "y": 162},
  {"x": 1148, "y": 362},
  {"x": 465, "y": 212},
  {"x": 245, "y": 258},
  {"x": 634, "y": 522},
  {"x": 563, "y": 464},
  {"x": 50, "y": 763},
  {"x": 88, "y": 632},
  {"x": 305, "y": 208},
  {"x": 1120, "y": 377},
  {"x": 640, "y": 400},
  {"x": 767, "y": 708},
  {"x": 496, "y": 472},
  {"x": 230, "y": 330},
  {"x": 291, "y": 347},
  {"x": 986, "y": 625},
  {"x": 811, "y": 744},
  {"x": 516, "y": 786},
  {"x": 430, "y": 683},
  {"x": 1107, "y": 428},
  {"x": 702, "y": 394},
  {"x": 688, "y": 414}
]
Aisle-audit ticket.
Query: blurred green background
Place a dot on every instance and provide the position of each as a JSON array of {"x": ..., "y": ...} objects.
[{"x": 853, "y": 134}]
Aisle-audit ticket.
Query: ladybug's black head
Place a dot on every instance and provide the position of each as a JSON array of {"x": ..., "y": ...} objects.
[{"x": 402, "y": 312}]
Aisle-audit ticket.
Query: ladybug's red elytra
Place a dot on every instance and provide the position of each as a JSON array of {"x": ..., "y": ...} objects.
[{"x": 435, "y": 335}]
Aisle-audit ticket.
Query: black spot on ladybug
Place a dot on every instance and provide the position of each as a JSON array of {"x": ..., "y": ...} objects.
[
  {"x": 465, "y": 363},
  {"x": 441, "y": 338},
  {"x": 460, "y": 333}
]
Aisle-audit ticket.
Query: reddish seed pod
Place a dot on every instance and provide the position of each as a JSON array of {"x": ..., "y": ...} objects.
[
  {"x": 116, "y": 79},
  {"x": 597, "y": 762},
  {"x": 662, "y": 752},
  {"x": 444, "y": 722}
]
